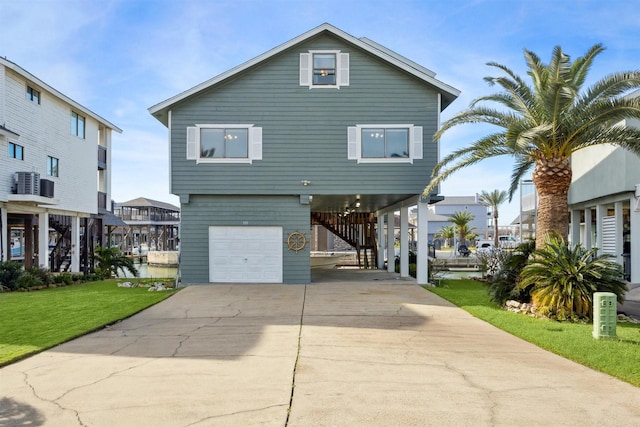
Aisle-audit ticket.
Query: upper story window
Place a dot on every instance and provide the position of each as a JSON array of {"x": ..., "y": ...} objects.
[
  {"x": 33, "y": 95},
  {"x": 224, "y": 143},
  {"x": 77, "y": 125},
  {"x": 16, "y": 151},
  {"x": 384, "y": 143},
  {"x": 52, "y": 166},
  {"x": 324, "y": 69}
]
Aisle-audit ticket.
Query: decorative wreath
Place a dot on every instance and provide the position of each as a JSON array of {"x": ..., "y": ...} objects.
[{"x": 296, "y": 241}]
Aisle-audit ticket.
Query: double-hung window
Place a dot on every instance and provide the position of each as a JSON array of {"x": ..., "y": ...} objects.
[
  {"x": 209, "y": 143},
  {"x": 384, "y": 143},
  {"x": 324, "y": 69},
  {"x": 52, "y": 166},
  {"x": 77, "y": 125},
  {"x": 16, "y": 151},
  {"x": 33, "y": 95}
]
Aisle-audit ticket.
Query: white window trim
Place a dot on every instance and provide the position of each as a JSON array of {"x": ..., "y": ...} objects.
[
  {"x": 342, "y": 69},
  {"x": 254, "y": 143},
  {"x": 354, "y": 143}
]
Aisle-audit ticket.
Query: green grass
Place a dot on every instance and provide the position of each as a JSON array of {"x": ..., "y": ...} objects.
[
  {"x": 617, "y": 357},
  {"x": 31, "y": 322}
]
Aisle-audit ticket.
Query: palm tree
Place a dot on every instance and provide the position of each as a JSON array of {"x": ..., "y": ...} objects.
[
  {"x": 110, "y": 260},
  {"x": 461, "y": 220},
  {"x": 447, "y": 232},
  {"x": 543, "y": 124},
  {"x": 493, "y": 200}
]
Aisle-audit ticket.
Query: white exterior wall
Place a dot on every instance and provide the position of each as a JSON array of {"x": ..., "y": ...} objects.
[{"x": 45, "y": 130}]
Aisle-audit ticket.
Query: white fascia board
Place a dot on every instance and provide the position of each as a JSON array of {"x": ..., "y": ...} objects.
[
  {"x": 27, "y": 75},
  {"x": 368, "y": 46}
]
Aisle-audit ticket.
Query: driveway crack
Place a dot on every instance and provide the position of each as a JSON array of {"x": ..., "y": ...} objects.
[{"x": 295, "y": 364}]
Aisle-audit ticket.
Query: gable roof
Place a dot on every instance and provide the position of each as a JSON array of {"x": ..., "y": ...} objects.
[
  {"x": 36, "y": 81},
  {"x": 144, "y": 202},
  {"x": 449, "y": 93}
]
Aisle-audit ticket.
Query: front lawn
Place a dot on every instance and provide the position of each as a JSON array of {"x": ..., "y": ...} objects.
[
  {"x": 617, "y": 357},
  {"x": 31, "y": 322}
]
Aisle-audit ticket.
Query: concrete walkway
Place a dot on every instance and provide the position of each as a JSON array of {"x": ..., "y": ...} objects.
[{"x": 373, "y": 351}]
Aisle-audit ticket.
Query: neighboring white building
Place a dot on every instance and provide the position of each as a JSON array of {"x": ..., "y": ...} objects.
[
  {"x": 439, "y": 214},
  {"x": 55, "y": 183},
  {"x": 604, "y": 200}
]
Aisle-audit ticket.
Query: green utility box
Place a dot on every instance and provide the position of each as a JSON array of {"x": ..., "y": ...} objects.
[{"x": 605, "y": 313}]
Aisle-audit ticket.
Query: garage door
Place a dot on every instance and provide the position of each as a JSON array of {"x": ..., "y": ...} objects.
[{"x": 245, "y": 254}]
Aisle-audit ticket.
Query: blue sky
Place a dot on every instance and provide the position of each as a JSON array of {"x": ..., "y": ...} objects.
[{"x": 119, "y": 57}]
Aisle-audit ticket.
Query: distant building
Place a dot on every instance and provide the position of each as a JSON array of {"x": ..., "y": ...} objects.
[
  {"x": 149, "y": 225},
  {"x": 55, "y": 179},
  {"x": 439, "y": 215}
]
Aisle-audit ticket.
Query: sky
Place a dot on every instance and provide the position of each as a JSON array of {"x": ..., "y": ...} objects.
[{"x": 120, "y": 57}]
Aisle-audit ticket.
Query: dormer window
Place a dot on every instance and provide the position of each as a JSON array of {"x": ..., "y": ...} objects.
[{"x": 324, "y": 69}]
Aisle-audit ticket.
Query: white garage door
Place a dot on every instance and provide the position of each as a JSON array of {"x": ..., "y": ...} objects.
[{"x": 245, "y": 254}]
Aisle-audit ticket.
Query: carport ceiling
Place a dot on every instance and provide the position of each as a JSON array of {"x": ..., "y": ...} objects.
[{"x": 368, "y": 202}]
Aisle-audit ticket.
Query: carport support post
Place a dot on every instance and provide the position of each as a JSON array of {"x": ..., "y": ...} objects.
[
  {"x": 43, "y": 239},
  {"x": 422, "y": 269},
  {"x": 404, "y": 241},
  {"x": 391, "y": 251},
  {"x": 4, "y": 237},
  {"x": 380, "y": 215},
  {"x": 75, "y": 244}
]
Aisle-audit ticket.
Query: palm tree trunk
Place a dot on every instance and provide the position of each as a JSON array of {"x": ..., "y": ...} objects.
[
  {"x": 495, "y": 226},
  {"x": 552, "y": 178}
]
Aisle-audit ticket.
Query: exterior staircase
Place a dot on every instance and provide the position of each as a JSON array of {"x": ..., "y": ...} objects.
[{"x": 357, "y": 229}]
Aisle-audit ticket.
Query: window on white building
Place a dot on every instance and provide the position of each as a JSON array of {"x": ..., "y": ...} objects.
[
  {"x": 52, "y": 166},
  {"x": 33, "y": 95},
  {"x": 77, "y": 125},
  {"x": 16, "y": 151}
]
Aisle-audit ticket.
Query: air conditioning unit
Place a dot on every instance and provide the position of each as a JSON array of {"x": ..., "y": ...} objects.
[
  {"x": 46, "y": 188},
  {"x": 26, "y": 183}
]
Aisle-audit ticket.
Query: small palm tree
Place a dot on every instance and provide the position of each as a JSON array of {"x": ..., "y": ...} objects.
[
  {"x": 563, "y": 279},
  {"x": 461, "y": 220},
  {"x": 493, "y": 200},
  {"x": 110, "y": 260},
  {"x": 447, "y": 232},
  {"x": 542, "y": 123}
]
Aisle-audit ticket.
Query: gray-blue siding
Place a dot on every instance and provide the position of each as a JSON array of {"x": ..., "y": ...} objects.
[
  {"x": 204, "y": 211},
  {"x": 305, "y": 131}
]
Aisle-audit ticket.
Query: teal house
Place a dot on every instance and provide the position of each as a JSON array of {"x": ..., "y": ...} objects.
[{"x": 324, "y": 129}]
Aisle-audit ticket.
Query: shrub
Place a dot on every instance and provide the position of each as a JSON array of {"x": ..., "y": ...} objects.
[
  {"x": 563, "y": 279},
  {"x": 44, "y": 276},
  {"x": 504, "y": 284},
  {"x": 63, "y": 278},
  {"x": 10, "y": 272},
  {"x": 29, "y": 280}
]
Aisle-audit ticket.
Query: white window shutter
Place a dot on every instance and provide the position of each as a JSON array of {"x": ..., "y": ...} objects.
[
  {"x": 344, "y": 70},
  {"x": 192, "y": 143},
  {"x": 305, "y": 70},
  {"x": 256, "y": 143},
  {"x": 417, "y": 142},
  {"x": 352, "y": 143}
]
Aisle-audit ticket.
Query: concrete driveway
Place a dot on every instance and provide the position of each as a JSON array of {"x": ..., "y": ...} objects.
[{"x": 372, "y": 350}]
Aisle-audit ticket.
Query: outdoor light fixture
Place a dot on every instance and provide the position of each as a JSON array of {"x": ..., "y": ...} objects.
[{"x": 305, "y": 182}]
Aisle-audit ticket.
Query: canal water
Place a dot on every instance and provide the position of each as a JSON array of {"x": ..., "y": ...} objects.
[{"x": 152, "y": 271}]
